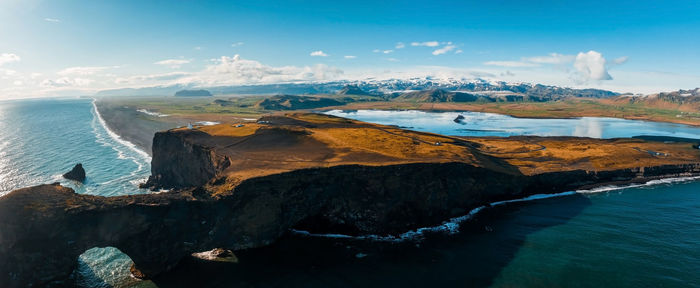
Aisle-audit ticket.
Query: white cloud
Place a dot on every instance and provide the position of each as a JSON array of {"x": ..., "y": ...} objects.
[
  {"x": 591, "y": 66},
  {"x": 85, "y": 70},
  {"x": 459, "y": 51},
  {"x": 383, "y": 51},
  {"x": 238, "y": 71},
  {"x": 197, "y": 48},
  {"x": 318, "y": 53},
  {"x": 507, "y": 74},
  {"x": 173, "y": 63},
  {"x": 400, "y": 45},
  {"x": 510, "y": 64},
  {"x": 8, "y": 58},
  {"x": 52, "y": 20},
  {"x": 139, "y": 79},
  {"x": 8, "y": 72},
  {"x": 444, "y": 50},
  {"x": 66, "y": 82},
  {"x": 426, "y": 44},
  {"x": 392, "y": 59},
  {"x": 552, "y": 58},
  {"x": 349, "y": 57},
  {"x": 237, "y": 44},
  {"x": 621, "y": 60}
]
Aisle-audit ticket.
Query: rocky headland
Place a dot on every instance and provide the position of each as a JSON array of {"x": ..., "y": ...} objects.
[{"x": 245, "y": 185}]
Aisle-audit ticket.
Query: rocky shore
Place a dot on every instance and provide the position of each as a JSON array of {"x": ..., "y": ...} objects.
[{"x": 237, "y": 187}]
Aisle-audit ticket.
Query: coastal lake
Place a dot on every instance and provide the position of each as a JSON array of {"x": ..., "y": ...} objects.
[
  {"x": 489, "y": 124},
  {"x": 647, "y": 235}
]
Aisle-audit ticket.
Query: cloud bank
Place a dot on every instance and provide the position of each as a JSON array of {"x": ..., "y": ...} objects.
[
  {"x": 83, "y": 70},
  {"x": 6, "y": 58},
  {"x": 173, "y": 63},
  {"x": 238, "y": 71},
  {"x": 587, "y": 66}
]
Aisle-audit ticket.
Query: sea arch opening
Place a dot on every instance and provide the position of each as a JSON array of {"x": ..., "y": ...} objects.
[{"x": 104, "y": 267}]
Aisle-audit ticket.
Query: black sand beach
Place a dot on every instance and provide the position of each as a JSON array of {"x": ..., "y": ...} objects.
[{"x": 134, "y": 126}]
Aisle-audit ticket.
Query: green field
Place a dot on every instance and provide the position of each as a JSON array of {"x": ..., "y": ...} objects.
[{"x": 232, "y": 107}]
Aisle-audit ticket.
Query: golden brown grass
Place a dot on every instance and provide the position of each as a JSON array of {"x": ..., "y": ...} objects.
[
  {"x": 327, "y": 141},
  {"x": 570, "y": 153}
]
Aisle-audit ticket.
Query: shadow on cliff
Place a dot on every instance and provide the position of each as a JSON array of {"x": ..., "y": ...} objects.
[{"x": 474, "y": 257}]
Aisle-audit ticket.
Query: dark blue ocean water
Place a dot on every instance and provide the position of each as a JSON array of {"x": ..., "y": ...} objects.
[{"x": 647, "y": 236}]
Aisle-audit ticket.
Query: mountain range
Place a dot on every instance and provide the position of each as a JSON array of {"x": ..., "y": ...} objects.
[{"x": 389, "y": 87}]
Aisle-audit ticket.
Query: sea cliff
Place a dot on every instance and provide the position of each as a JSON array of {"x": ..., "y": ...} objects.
[{"x": 238, "y": 187}]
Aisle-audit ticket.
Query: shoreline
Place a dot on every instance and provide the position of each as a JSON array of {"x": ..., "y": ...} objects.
[
  {"x": 194, "y": 213},
  {"x": 454, "y": 107},
  {"x": 130, "y": 125},
  {"x": 452, "y": 225},
  {"x": 117, "y": 137}
]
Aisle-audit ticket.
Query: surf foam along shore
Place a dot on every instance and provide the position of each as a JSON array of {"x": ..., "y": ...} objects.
[
  {"x": 116, "y": 136},
  {"x": 451, "y": 226}
]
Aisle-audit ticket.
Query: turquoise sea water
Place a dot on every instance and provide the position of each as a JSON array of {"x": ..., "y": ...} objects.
[
  {"x": 647, "y": 236},
  {"x": 42, "y": 139}
]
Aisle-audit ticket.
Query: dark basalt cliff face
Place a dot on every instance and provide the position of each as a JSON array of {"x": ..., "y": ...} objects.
[
  {"x": 44, "y": 229},
  {"x": 178, "y": 163}
]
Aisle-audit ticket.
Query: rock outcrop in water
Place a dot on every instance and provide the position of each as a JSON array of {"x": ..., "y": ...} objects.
[
  {"x": 243, "y": 187},
  {"x": 77, "y": 173}
]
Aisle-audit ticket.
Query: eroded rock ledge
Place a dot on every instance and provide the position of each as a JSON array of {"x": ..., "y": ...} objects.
[{"x": 249, "y": 187}]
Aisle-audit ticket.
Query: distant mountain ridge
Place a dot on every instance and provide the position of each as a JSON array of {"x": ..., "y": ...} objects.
[
  {"x": 378, "y": 88},
  {"x": 293, "y": 102},
  {"x": 682, "y": 100},
  {"x": 193, "y": 93},
  {"x": 353, "y": 90}
]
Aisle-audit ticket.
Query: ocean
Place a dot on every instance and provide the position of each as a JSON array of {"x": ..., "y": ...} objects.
[
  {"x": 42, "y": 139},
  {"x": 641, "y": 236}
]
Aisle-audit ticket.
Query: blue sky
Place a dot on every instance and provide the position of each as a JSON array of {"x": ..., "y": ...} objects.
[{"x": 78, "y": 47}]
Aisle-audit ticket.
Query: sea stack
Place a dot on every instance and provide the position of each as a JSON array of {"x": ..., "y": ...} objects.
[{"x": 77, "y": 173}]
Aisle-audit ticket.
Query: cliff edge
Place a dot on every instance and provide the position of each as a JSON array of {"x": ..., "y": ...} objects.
[{"x": 245, "y": 185}]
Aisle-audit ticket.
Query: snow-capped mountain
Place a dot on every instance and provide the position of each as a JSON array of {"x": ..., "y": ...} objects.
[{"x": 379, "y": 88}]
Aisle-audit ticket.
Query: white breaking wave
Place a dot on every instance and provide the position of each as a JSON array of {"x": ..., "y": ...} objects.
[
  {"x": 451, "y": 226},
  {"x": 140, "y": 158},
  {"x": 116, "y": 137},
  {"x": 646, "y": 184}
]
